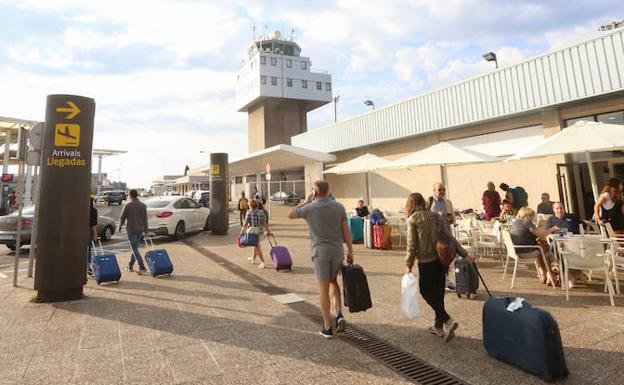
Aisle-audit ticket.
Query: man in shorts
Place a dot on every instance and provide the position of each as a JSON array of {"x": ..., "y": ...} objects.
[{"x": 327, "y": 223}]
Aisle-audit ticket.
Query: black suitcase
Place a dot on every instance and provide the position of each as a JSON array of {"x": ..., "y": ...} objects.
[
  {"x": 355, "y": 289},
  {"x": 527, "y": 338},
  {"x": 466, "y": 277}
]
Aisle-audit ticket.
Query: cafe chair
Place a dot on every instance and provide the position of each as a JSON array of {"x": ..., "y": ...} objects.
[{"x": 511, "y": 254}]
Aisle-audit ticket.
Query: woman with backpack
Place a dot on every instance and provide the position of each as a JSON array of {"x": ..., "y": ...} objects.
[
  {"x": 425, "y": 230},
  {"x": 255, "y": 220}
]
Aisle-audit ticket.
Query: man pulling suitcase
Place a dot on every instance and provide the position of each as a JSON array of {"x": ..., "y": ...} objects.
[{"x": 327, "y": 223}]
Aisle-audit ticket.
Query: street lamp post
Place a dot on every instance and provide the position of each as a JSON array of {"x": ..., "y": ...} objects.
[
  {"x": 336, "y": 99},
  {"x": 370, "y": 103},
  {"x": 491, "y": 56}
]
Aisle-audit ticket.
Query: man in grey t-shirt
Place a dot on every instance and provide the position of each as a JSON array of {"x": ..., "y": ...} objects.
[
  {"x": 327, "y": 222},
  {"x": 135, "y": 213}
]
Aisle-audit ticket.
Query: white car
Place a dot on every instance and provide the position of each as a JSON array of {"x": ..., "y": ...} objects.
[{"x": 175, "y": 216}]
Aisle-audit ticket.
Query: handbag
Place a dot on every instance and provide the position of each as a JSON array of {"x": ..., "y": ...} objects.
[
  {"x": 251, "y": 236},
  {"x": 445, "y": 248}
]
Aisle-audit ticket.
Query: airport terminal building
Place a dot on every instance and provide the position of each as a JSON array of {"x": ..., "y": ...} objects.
[{"x": 498, "y": 113}]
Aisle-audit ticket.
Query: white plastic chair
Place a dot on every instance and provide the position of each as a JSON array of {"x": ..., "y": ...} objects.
[
  {"x": 511, "y": 253},
  {"x": 583, "y": 253},
  {"x": 614, "y": 254},
  {"x": 489, "y": 239}
]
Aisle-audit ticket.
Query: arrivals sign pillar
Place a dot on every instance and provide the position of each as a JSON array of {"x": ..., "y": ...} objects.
[
  {"x": 219, "y": 221},
  {"x": 63, "y": 209}
]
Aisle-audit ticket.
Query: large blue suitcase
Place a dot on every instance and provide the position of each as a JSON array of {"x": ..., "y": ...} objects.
[
  {"x": 356, "y": 227},
  {"x": 104, "y": 266},
  {"x": 527, "y": 338},
  {"x": 157, "y": 260}
]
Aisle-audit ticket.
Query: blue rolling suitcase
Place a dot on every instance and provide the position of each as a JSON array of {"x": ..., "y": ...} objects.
[
  {"x": 527, "y": 338},
  {"x": 104, "y": 266},
  {"x": 356, "y": 227},
  {"x": 157, "y": 260}
]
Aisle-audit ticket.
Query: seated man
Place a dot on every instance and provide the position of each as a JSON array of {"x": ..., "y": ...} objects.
[
  {"x": 563, "y": 220},
  {"x": 546, "y": 206},
  {"x": 361, "y": 210}
]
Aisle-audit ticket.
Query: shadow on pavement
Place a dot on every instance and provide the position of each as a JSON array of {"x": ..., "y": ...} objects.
[{"x": 262, "y": 338}]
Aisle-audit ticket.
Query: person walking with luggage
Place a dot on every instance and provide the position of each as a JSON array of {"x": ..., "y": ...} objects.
[
  {"x": 327, "y": 224},
  {"x": 256, "y": 218},
  {"x": 135, "y": 213},
  {"x": 243, "y": 206},
  {"x": 93, "y": 235},
  {"x": 424, "y": 229}
]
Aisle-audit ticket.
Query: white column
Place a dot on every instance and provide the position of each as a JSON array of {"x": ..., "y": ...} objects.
[
  {"x": 7, "y": 152},
  {"x": 28, "y": 186},
  {"x": 99, "y": 180}
]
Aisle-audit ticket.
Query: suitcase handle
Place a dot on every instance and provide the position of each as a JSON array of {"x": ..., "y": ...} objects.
[
  {"x": 481, "y": 278},
  {"x": 95, "y": 248},
  {"x": 149, "y": 244},
  {"x": 269, "y": 236}
]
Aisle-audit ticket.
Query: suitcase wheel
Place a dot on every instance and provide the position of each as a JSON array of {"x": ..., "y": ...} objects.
[
  {"x": 458, "y": 295},
  {"x": 98, "y": 282}
]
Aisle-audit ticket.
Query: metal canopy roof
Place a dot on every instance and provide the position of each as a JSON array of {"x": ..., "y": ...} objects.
[{"x": 281, "y": 157}]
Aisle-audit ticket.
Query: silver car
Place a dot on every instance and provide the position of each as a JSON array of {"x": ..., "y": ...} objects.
[{"x": 8, "y": 228}]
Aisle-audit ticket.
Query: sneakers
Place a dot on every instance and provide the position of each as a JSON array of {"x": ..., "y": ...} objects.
[
  {"x": 450, "y": 326},
  {"x": 327, "y": 333},
  {"x": 261, "y": 265},
  {"x": 251, "y": 260},
  {"x": 142, "y": 271},
  {"x": 128, "y": 268},
  {"x": 341, "y": 323},
  {"x": 449, "y": 286},
  {"x": 89, "y": 272}
]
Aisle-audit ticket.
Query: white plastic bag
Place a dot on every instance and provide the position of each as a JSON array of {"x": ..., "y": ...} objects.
[{"x": 409, "y": 296}]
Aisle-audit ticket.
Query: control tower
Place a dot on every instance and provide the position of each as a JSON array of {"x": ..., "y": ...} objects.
[{"x": 277, "y": 89}]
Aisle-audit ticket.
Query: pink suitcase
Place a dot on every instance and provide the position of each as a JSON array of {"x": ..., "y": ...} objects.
[{"x": 279, "y": 255}]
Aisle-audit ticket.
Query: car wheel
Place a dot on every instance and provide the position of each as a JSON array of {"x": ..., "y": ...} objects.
[
  {"x": 180, "y": 230},
  {"x": 107, "y": 234},
  {"x": 207, "y": 225},
  {"x": 10, "y": 246}
]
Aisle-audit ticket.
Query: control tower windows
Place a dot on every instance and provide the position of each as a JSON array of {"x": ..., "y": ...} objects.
[
  {"x": 273, "y": 80},
  {"x": 289, "y": 63},
  {"x": 304, "y": 65},
  {"x": 273, "y": 61},
  {"x": 262, "y": 79},
  {"x": 262, "y": 59},
  {"x": 288, "y": 82},
  {"x": 327, "y": 86},
  {"x": 304, "y": 84},
  {"x": 319, "y": 86}
]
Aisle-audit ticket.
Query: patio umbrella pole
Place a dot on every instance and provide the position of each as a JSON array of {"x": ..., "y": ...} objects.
[
  {"x": 592, "y": 175},
  {"x": 368, "y": 192},
  {"x": 445, "y": 179}
]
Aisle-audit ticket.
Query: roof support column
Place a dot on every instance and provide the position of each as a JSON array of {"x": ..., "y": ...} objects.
[
  {"x": 313, "y": 171},
  {"x": 7, "y": 152}
]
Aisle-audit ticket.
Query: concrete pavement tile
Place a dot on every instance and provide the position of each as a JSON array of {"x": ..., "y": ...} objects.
[
  {"x": 147, "y": 368},
  {"x": 15, "y": 360},
  {"x": 191, "y": 362}
]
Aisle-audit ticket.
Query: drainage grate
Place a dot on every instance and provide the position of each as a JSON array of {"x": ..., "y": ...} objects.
[{"x": 393, "y": 357}]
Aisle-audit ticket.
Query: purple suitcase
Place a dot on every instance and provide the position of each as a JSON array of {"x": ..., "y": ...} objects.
[{"x": 279, "y": 255}]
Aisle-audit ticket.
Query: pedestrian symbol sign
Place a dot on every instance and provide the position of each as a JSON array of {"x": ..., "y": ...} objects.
[{"x": 67, "y": 135}]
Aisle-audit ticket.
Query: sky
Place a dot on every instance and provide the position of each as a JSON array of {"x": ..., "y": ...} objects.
[{"x": 163, "y": 73}]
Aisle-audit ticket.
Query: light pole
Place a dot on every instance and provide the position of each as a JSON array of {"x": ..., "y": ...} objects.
[
  {"x": 491, "y": 56},
  {"x": 370, "y": 103},
  {"x": 336, "y": 99}
]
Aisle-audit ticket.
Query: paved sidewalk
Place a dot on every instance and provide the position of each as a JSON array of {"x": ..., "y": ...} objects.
[{"x": 205, "y": 325}]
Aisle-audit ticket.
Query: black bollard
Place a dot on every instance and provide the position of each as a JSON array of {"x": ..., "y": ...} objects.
[
  {"x": 65, "y": 184},
  {"x": 219, "y": 221}
]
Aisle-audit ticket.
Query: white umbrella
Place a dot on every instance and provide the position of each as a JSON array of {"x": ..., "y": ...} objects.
[
  {"x": 442, "y": 154},
  {"x": 365, "y": 163},
  {"x": 582, "y": 137}
]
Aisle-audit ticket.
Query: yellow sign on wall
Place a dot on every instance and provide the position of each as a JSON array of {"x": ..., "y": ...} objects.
[
  {"x": 67, "y": 135},
  {"x": 215, "y": 169}
]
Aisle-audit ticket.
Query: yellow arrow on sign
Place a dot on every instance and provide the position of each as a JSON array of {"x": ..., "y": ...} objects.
[{"x": 72, "y": 109}]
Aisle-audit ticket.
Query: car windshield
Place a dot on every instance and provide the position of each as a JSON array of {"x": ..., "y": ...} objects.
[
  {"x": 29, "y": 210},
  {"x": 156, "y": 203}
]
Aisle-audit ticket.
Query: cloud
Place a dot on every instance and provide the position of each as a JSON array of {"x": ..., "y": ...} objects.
[{"x": 163, "y": 71}]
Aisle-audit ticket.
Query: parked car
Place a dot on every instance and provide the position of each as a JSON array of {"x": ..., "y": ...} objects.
[
  {"x": 172, "y": 193},
  {"x": 203, "y": 198},
  {"x": 112, "y": 197},
  {"x": 175, "y": 216},
  {"x": 8, "y": 227},
  {"x": 286, "y": 198}
]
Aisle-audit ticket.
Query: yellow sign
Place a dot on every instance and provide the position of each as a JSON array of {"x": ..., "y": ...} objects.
[
  {"x": 215, "y": 169},
  {"x": 73, "y": 110},
  {"x": 66, "y": 135}
]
